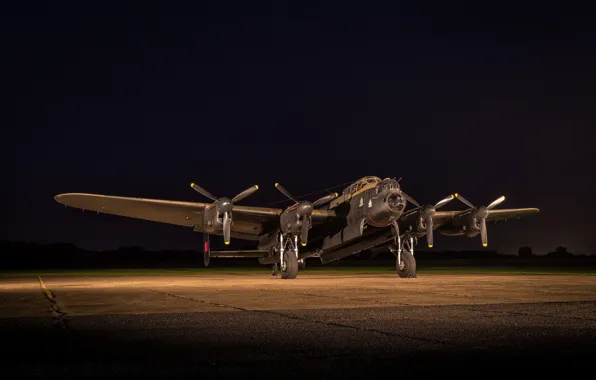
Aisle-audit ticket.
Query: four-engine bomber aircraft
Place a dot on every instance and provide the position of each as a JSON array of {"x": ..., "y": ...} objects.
[{"x": 369, "y": 213}]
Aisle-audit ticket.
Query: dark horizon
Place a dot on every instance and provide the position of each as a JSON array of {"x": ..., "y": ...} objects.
[
  {"x": 10, "y": 247},
  {"x": 141, "y": 101},
  {"x": 18, "y": 256}
]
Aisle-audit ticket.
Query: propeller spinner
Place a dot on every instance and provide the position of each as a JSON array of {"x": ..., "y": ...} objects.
[
  {"x": 304, "y": 210},
  {"x": 480, "y": 214},
  {"x": 224, "y": 206},
  {"x": 426, "y": 214}
]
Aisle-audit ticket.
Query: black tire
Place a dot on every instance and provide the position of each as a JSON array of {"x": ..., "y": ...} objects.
[
  {"x": 409, "y": 265},
  {"x": 301, "y": 264},
  {"x": 291, "y": 269}
]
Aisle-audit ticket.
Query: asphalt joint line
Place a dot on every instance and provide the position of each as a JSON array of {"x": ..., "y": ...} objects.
[
  {"x": 518, "y": 313},
  {"x": 304, "y": 319},
  {"x": 59, "y": 315}
]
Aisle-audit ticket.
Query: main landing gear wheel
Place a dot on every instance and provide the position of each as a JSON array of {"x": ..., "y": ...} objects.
[
  {"x": 289, "y": 267},
  {"x": 407, "y": 267}
]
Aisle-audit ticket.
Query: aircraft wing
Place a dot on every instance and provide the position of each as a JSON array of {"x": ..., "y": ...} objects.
[
  {"x": 512, "y": 213},
  {"x": 171, "y": 212},
  {"x": 443, "y": 217},
  {"x": 249, "y": 222}
]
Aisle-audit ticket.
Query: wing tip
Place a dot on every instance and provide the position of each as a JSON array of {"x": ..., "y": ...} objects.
[
  {"x": 69, "y": 198},
  {"x": 61, "y": 198}
]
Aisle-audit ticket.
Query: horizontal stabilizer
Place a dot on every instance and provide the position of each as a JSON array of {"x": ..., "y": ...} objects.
[{"x": 239, "y": 254}]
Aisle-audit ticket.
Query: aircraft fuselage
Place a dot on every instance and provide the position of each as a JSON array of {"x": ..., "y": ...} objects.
[{"x": 368, "y": 202}]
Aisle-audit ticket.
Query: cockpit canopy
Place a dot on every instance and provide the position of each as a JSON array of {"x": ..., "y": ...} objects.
[
  {"x": 387, "y": 184},
  {"x": 359, "y": 184}
]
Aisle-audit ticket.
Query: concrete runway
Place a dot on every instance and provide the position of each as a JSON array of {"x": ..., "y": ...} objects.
[{"x": 321, "y": 326}]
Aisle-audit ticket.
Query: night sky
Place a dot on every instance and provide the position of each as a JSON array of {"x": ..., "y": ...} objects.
[{"x": 141, "y": 100}]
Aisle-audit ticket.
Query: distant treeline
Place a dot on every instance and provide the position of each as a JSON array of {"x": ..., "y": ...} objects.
[{"x": 22, "y": 255}]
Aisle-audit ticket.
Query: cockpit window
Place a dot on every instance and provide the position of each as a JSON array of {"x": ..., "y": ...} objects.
[{"x": 360, "y": 183}]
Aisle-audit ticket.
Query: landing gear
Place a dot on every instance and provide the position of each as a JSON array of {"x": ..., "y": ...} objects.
[
  {"x": 275, "y": 270},
  {"x": 406, "y": 268},
  {"x": 288, "y": 256},
  {"x": 301, "y": 264},
  {"x": 405, "y": 262},
  {"x": 289, "y": 266}
]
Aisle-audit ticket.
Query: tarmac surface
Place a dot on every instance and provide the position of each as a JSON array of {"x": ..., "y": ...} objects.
[{"x": 320, "y": 326}]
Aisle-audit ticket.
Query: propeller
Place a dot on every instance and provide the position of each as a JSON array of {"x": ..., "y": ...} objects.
[
  {"x": 426, "y": 214},
  {"x": 224, "y": 206},
  {"x": 304, "y": 209},
  {"x": 480, "y": 213}
]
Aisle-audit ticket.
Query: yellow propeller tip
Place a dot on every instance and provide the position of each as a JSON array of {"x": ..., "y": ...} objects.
[
  {"x": 336, "y": 195},
  {"x": 192, "y": 184},
  {"x": 430, "y": 246},
  {"x": 484, "y": 245},
  {"x": 452, "y": 196},
  {"x": 456, "y": 195},
  {"x": 257, "y": 187},
  {"x": 276, "y": 184},
  {"x": 303, "y": 244},
  {"x": 226, "y": 242}
]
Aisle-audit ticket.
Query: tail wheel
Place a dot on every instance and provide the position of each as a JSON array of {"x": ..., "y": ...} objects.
[
  {"x": 289, "y": 268},
  {"x": 407, "y": 267}
]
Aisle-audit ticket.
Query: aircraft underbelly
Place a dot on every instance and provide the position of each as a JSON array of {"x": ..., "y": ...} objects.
[{"x": 370, "y": 238}]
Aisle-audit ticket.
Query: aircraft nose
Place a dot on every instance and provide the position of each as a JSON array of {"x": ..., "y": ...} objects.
[{"x": 396, "y": 201}]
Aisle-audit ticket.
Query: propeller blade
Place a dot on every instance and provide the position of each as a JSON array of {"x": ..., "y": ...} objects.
[
  {"x": 410, "y": 199},
  {"x": 327, "y": 198},
  {"x": 285, "y": 192},
  {"x": 429, "y": 231},
  {"x": 202, "y": 191},
  {"x": 483, "y": 232},
  {"x": 496, "y": 202},
  {"x": 227, "y": 221},
  {"x": 245, "y": 193},
  {"x": 444, "y": 201},
  {"x": 304, "y": 231},
  {"x": 464, "y": 200}
]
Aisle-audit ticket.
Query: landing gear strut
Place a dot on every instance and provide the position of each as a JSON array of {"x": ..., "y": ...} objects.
[
  {"x": 288, "y": 257},
  {"x": 405, "y": 262}
]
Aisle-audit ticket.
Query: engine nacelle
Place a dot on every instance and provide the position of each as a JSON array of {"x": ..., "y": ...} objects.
[
  {"x": 456, "y": 231},
  {"x": 413, "y": 222},
  {"x": 212, "y": 219},
  {"x": 290, "y": 222},
  {"x": 472, "y": 226},
  {"x": 468, "y": 226}
]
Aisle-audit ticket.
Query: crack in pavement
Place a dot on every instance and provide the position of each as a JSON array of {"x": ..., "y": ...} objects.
[
  {"x": 530, "y": 314},
  {"x": 194, "y": 299},
  {"x": 305, "y": 319},
  {"x": 346, "y": 298},
  {"x": 59, "y": 315},
  {"x": 333, "y": 324}
]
